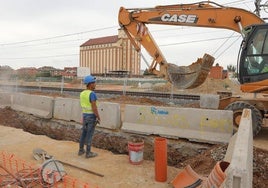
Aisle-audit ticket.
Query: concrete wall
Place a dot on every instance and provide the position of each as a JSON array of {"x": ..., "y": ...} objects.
[
  {"x": 204, "y": 125},
  {"x": 191, "y": 123},
  {"x": 40, "y": 106},
  {"x": 70, "y": 110},
  {"x": 67, "y": 109},
  {"x": 240, "y": 155},
  {"x": 110, "y": 115},
  {"x": 5, "y": 99},
  {"x": 209, "y": 101}
]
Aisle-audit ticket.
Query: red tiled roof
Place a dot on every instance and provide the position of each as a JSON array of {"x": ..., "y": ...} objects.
[{"x": 102, "y": 40}]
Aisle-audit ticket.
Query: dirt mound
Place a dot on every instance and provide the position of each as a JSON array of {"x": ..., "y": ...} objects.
[
  {"x": 210, "y": 86},
  {"x": 123, "y": 99}
]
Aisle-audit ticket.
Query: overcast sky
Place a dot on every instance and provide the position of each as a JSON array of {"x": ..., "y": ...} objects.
[{"x": 36, "y": 33}]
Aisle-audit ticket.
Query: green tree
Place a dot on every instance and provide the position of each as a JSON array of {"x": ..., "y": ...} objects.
[{"x": 231, "y": 68}]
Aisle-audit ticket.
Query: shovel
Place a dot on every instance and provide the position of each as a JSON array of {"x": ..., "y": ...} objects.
[{"x": 39, "y": 154}]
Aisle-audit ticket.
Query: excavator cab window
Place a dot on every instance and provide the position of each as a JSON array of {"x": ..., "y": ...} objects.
[{"x": 254, "y": 57}]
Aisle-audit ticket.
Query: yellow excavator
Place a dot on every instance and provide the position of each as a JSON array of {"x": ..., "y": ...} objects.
[{"x": 252, "y": 58}]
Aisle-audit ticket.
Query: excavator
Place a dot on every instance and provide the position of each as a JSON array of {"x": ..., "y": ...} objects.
[{"x": 252, "y": 62}]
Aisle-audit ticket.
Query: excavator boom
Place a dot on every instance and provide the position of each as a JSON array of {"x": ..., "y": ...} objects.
[{"x": 201, "y": 14}]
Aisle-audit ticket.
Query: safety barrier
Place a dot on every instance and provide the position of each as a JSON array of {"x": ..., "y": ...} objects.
[
  {"x": 70, "y": 110},
  {"x": 5, "y": 99},
  {"x": 40, "y": 106},
  {"x": 235, "y": 171},
  {"x": 15, "y": 172},
  {"x": 209, "y": 101},
  {"x": 67, "y": 109},
  {"x": 240, "y": 155},
  {"x": 110, "y": 115},
  {"x": 194, "y": 124},
  {"x": 191, "y": 123}
]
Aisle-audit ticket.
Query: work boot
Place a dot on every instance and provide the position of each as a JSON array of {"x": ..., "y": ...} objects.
[
  {"x": 81, "y": 152},
  {"x": 91, "y": 155}
]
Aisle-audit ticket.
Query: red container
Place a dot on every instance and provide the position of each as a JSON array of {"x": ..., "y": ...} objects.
[{"x": 135, "y": 152}]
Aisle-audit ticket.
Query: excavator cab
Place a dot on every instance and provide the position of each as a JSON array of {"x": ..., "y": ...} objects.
[{"x": 253, "y": 62}]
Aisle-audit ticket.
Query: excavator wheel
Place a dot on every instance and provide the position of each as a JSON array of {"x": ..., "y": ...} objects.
[{"x": 237, "y": 108}]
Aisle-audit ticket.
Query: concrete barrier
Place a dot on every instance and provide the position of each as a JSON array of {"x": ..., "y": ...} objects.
[
  {"x": 191, "y": 123},
  {"x": 40, "y": 106},
  {"x": 110, "y": 115},
  {"x": 209, "y": 101},
  {"x": 67, "y": 109},
  {"x": 5, "y": 99},
  {"x": 240, "y": 155},
  {"x": 70, "y": 110}
]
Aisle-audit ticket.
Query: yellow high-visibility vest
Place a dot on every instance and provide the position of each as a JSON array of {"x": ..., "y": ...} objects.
[{"x": 85, "y": 103}]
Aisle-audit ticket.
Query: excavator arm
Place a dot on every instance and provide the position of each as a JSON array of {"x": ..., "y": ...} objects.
[{"x": 201, "y": 14}]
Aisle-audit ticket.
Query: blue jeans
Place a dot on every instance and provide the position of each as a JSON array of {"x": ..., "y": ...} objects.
[{"x": 88, "y": 129}]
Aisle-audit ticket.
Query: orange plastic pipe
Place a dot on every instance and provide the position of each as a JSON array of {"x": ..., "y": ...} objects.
[
  {"x": 217, "y": 175},
  {"x": 187, "y": 178},
  {"x": 160, "y": 158}
]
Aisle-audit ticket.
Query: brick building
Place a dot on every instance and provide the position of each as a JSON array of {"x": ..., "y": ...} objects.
[
  {"x": 30, "y": 71},
  {"x": 110, "y": 54},
  {"x": 70, "y": 72},
  {"x": 217, "y": 72}
]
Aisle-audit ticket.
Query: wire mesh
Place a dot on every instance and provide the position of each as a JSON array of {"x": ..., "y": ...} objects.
[{"x": 17, "y": 173}]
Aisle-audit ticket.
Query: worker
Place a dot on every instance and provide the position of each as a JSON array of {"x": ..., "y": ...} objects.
[
  {"x": 256, "y": 58},
  {"x": 88, "y": 102},
  {"x": 258, "y": 41}
]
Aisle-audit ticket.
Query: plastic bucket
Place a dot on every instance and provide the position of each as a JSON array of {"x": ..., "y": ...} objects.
[{"x": 135, "y": 151}]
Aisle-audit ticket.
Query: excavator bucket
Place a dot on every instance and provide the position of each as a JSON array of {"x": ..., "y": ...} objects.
[{"x": 192, "y": 76}]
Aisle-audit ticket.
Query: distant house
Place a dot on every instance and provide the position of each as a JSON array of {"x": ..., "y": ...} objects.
[
  {"x": 30, "y": 71},
  {"x": 6, "y": 72},
  {"x": 217, "y": 72},
  {"x": 47, "y": 71},
  {"x": 51, "y": 70},
  {"x": 70, "y": 72},
  {"x": 225, "y": 74},
  {"x": 110, "y": 55}
]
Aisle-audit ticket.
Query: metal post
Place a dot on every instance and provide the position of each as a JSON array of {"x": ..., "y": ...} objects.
[{"x": 124, "y": 88}]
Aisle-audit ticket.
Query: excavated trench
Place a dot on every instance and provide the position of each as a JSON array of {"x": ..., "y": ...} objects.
[
  {"x": 114, "y": 141},
  {"x": 201, "y": 157}
]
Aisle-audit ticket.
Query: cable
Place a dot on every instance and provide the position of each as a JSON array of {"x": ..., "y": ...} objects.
[
  {"x": 59, "y": 36},
  {"x": 203, "y": 40},
  {"x": 163, "y": 45},
  {"x": 237, "y": 2},
  {"x": 222, "y": 44},
  {"x": 40, "y": 57},
  {"x": 227, "y": 48}
]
